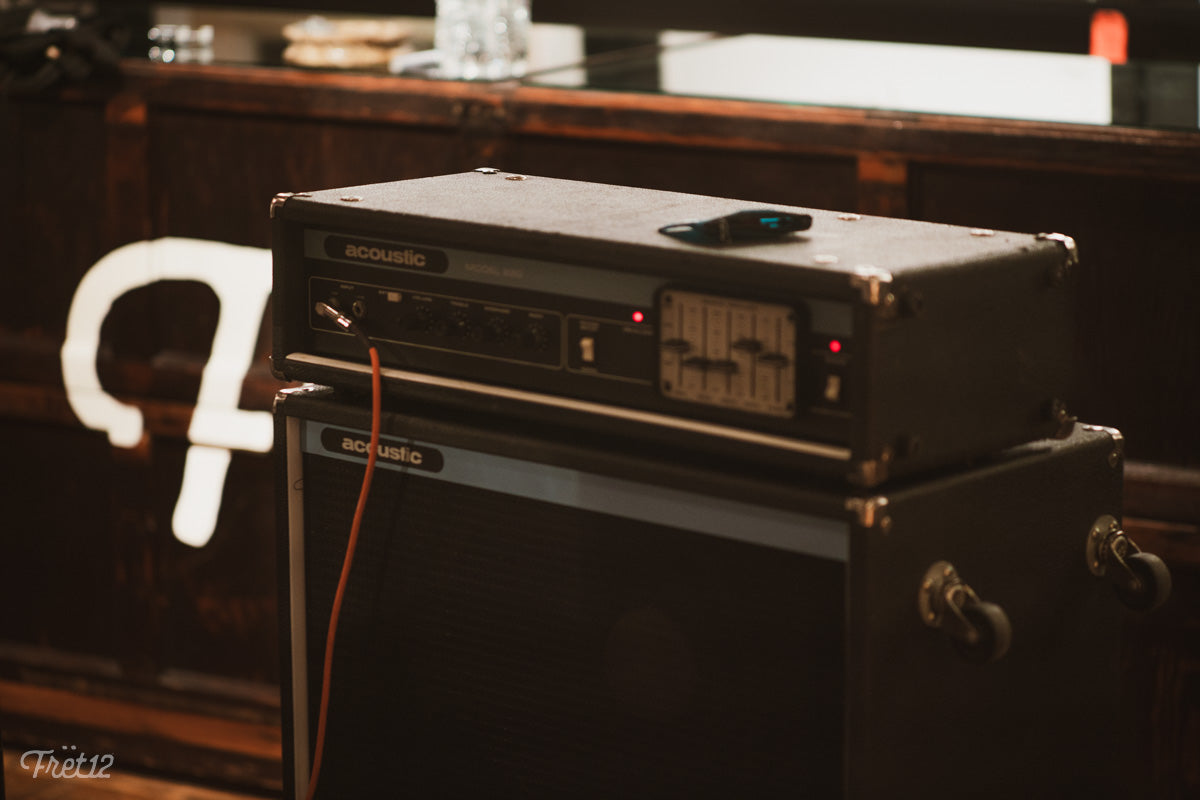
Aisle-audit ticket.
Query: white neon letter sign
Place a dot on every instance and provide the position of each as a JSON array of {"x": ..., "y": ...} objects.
[{"x": 241, "y": 279}]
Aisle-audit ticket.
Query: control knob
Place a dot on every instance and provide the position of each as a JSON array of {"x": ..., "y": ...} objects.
[
  {"x": 535, "y": 337},
  {"x": 457, "y": 324},
  {"x": 497, "y": 329},
  {"x": 422, "y": 319}
]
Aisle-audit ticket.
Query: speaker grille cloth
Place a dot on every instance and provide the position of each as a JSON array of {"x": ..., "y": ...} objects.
[{"x": 491, "y": 645}]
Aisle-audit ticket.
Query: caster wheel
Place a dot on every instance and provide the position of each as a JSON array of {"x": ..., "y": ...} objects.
[
  {"x": 1151, "y": 587},
  {"x": 995, "y": 633}
]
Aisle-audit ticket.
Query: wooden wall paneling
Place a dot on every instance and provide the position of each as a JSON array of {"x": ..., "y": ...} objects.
[
  {"x": 816, "y": 182},
  {"x": 213, "y": 176},
  {"x": 882, "y": 185},
  {"x": 1139, "y": 287},
  {"x": 1161, "y": 691},
  {"x": 127, "y": 217},
  {"x": 55, "y": 183},
  {"x": 96, "y": 573},
  {"x": 219, "y": 601},
  {"x": 11, "y": 168},
  {"x": 96, "y": 570},
  {"x": 1162, "y": 651},
  {"x": 60, "y": 583},
  {"x": 1165, "y": 493},
  {"x": 730, "y": 149},
  {"x": 145, "y": 481},
  {"x": 59, "y": 548}
]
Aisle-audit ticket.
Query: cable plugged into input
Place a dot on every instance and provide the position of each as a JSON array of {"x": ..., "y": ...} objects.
[{"x": 330, "y": 312}]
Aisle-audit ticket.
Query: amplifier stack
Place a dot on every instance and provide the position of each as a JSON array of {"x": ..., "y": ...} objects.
[{"x": 684, "y": 496}]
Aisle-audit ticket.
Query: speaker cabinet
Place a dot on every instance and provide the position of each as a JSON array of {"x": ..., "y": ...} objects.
[{"x": 543, "y": 613}]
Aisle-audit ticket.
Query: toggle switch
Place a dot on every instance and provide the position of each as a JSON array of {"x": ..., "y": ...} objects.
[
  {"x": 587, "y": 349},
  {"x": 833, "y": 388}
]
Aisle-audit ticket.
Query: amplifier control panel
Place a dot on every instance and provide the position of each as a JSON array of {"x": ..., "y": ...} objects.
[
  {"x": 724, "y": 352},
  {"x": 735, "y": 356},
  {"x": 438, "y": 321}
]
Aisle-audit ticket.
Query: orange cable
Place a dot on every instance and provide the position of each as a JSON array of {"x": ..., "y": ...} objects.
[{"x": 376, "y": 414}]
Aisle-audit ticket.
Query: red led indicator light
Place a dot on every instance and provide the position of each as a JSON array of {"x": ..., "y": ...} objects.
[
  {"x": 638, "y": 316},
  {"x": 835, "y": 346}
]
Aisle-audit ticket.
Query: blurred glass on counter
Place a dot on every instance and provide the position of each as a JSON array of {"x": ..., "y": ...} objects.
[
  {"x": 181, "y": 44},
  {"x": 482, "y": 39}
]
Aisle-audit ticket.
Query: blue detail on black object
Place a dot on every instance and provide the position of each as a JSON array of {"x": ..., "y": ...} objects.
[{"x": 740, "y": 227}]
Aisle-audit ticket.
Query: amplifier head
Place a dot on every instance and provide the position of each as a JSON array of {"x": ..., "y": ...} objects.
[{"x": 858, "y": 347}]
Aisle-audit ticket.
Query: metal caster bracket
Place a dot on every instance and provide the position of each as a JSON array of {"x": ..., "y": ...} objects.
[
  {"x": 1141, "y": 580},
  {"x": 980, "y": 631}
]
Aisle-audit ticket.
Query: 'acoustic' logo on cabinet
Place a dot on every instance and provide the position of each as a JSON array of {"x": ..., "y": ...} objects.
[
  {"x": 403, "y": 454},
  {"x": 386, "y": 254}
]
